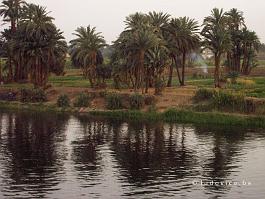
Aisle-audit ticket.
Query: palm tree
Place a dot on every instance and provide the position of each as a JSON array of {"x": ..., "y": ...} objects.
[
  {"x": 216, "y": 38},
  {"x": 85, "y": 50},
  {"x": 235, "y": 21},
  {"x": 251, "y": 45},
  {"x": 156, "y": 61},
  {"x": 140, "y": 42},
  {"x": 37, "y": 43},
  {"x": 139, "y": 37},
  {"x": 184, "y": 39},
  {"x": 10, "y": 10},
  {"x": 159, "y": 21}
]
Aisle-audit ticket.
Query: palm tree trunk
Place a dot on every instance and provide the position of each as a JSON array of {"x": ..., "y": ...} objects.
[
  {"x": 139, "y": 74},
  {"x": 217, "y": 71},
  {"x": 169, "y": 83},
  {"x": 183, "y": 69},
  {"x": 178, "y": 73},
  {"x": 147, "y": 80},
  {"x": 10, "y": 69},
  {"x": 244, "y": 64},
  {"x": 1, "y": 79}
]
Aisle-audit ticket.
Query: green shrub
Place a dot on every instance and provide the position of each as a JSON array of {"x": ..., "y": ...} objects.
[
  {"x": 63, "y": 101},
  {"x": 203, "y": 94},
  {"x": 233, "y": 75},
  {"x": 114, "y": 101},
  {"x": 82, "y": 100},
  {"x": 152, "y": 109},
  {"x": 228, "y": 100},
  {"x": 33, "y": 95},
  {"x": 136, "y": 101}
]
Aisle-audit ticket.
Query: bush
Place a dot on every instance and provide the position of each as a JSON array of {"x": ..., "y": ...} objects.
[
  {"x": 233, "y": 75},
  {"x": 8, "y": 96},
  {"x": 33, "y": 95},
  {"x": 203, "y": 94},
  {"x": 228, "y": 100},
  {"x": 63, "y": 101},
  {"x": 82, "y": 100},
  {"x": 114, "y": 101},
  {"x": 149, "y": 100},
  {"x": 136, "y": 101}
]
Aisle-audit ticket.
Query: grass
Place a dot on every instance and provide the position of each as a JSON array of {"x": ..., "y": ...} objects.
[
  {"x": 261, "y": 62},
  {"x": 183, "y": 116},
  {"x": 69, "y": 81},
  {"x": 171, "y": 115}
]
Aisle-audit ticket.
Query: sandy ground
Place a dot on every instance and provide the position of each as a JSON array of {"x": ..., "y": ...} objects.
[{"x": 171, "y": 97}]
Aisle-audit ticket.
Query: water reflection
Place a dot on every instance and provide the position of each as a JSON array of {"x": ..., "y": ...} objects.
[
  {"x": 29, "y": 150},
  {"x": 60, "y": 156}
]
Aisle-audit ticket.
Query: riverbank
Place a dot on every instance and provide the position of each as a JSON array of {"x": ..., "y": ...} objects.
[{"x": 170, "y": 115}]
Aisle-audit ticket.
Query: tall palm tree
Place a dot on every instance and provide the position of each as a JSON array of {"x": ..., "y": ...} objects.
[
  {"x": 159, "y": 21},
  {"x": 140, "y": 42},
  {"x": 10, "y": 10},
  {"x": 235, "y": 22},
  {"x": 37, "y": 42},
  {"x": 136, "y": 21},
  {"x": 156, "y": 61},
  {"x": 251, "y": 45},
  {"x": 184, "y": 39},
  {"x": 139, "y": 36},
  {"x": 216, "y": 38},
  {"x": 85, "y": 50}
]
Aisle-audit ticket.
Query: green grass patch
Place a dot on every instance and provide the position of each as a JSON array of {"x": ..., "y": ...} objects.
[{"x": 171, "y": 115}]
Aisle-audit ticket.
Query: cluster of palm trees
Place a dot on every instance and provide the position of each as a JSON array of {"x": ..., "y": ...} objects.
[
  {"x": 152, "y": 45},
  {"x": 149, "y": 44},
  {"x": 225, "y": 33},
  {"x": 33, "y": 45}
]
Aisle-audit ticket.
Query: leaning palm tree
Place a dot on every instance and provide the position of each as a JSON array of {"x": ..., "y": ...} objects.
[
  {"x": 85, "y": 50},
  {"x": 184, "y": 39},
  {"x": 216, "y": 38}
]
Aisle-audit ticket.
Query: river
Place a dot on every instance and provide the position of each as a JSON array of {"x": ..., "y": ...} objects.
[{"x": 45, "y": 155}]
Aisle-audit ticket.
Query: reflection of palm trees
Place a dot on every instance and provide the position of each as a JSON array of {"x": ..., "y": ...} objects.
[
  {"x": 146, "y": 153},
  {"x": 225, "y": 150},
  {"x": 86, "y": 155},
  {"x": 32, "y": 151}
]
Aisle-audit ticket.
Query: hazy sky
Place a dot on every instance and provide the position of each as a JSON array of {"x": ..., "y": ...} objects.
[{"x": 108, "y": 15}]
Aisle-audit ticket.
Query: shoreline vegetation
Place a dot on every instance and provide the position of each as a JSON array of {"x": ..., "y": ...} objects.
[{"x": 170, "y": 115}]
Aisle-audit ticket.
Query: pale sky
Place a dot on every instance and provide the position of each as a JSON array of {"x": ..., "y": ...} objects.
[{"x": 108, "y": 15}]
